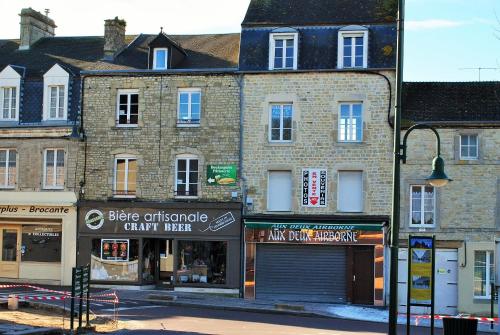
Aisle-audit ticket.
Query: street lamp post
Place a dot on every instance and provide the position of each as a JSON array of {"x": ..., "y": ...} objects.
[{"x": 438, "y": 178}]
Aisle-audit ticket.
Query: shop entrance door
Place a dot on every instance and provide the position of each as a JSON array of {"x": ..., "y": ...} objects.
[
  {"x": 362, "y": 281},
  {"x": 165, "y": 263},
  {"x": 10, "y": 246}
]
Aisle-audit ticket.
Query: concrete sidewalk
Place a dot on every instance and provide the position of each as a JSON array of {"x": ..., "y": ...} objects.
[{"x": 212, "y": 301}]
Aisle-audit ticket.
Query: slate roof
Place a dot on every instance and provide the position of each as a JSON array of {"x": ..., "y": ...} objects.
[
  {"x": 203, "y": 51},
  {"x": 86, "y": 53},
  {"x": 319, "y": 12},
  {"x": 451, "y": 102}
]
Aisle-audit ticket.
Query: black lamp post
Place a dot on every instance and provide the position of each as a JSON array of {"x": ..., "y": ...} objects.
[{"x": 438, "y": 178}]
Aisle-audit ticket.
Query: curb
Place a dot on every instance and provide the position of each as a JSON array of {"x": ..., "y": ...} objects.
[{"x": 239, "y": 308}]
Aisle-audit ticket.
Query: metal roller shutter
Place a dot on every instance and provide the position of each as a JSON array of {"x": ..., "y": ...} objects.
[{"x": 301, "y": 273}]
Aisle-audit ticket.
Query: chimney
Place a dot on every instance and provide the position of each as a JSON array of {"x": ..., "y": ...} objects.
[
  {"x": 114, "y": 37},
  {"x": 34, "y": 26}
]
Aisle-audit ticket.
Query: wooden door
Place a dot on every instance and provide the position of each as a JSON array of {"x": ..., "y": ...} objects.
[
  {"x": 10, "y": 251},
  {"x": 362, "y": 281}
]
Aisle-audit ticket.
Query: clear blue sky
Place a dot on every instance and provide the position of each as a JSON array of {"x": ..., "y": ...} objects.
[{"x": 441, "y": 37}]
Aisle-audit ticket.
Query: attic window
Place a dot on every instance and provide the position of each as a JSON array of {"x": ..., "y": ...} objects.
[
  {"x": 353, "y": 47},
  {"x": 160, "y": 59},
  {"x": 283, "y": 51}
]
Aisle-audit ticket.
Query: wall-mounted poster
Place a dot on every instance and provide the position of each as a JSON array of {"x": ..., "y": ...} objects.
[
  {"x": 221, "y": 175},
  {"x": 421, "y": 269},
  {"x": 115, "y": 250},
  {"x": 314, "y": 187}
]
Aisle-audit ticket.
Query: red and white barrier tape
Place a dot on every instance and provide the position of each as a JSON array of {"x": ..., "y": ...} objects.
[
  {"x": 440, "y": 317},
  {"x": 62, "y": 294}
]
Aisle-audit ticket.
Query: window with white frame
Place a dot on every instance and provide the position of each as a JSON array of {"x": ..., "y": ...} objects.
[
  {"x": 283, "y": 51},
  {"x": 351, "y": 122},
  {"x": 10, "y": 85},
  {"x": 422, "y": 206},
  {"x": 350, "y": 191},
  {"x": 55, "y": 100},
  {"x": 8, "y": 103},
  {"x": 280, "y": 123},
  {"x": 8, "y": 168},
  {"x": 189, "y": 106},
  {"x": 186, "y": 176},
  {"x": 353, "y": 49},
  {"x": 279, "y": 191},
  {"x": 53, "y": 172},
  {"x": 160, "y": 59},
  {"x": 484, "y": 273},
  {"x": 125, "y": 179},
  {"x": 469, "y": 147},
  {"x": 127, "y": 108}
]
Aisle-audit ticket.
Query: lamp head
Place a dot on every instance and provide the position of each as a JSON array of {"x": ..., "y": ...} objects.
[{"x": 438, "y": 178}]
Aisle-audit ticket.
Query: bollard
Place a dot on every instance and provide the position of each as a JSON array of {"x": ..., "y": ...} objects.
[{"x": 13, "y": 302}]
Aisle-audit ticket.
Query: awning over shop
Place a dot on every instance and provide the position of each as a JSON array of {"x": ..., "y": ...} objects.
[{"x": 38, "y": 198}]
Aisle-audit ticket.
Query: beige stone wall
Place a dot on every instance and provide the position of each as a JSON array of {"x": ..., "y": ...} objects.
[
  {"x": 30, "y": 157},
  {"x": 157, "y": 140},
  {"x": 467, "y": 208},
  {"x": 316, "y": 98}
]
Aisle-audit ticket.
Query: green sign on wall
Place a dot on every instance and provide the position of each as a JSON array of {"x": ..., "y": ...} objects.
[{"x": 221, "y": 175}]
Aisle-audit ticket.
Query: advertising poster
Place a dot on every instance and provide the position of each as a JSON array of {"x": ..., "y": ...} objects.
[
  {"x": 115, "y": 250},
  {"x": 314, "y": 187},
  {"x": 421, "y": 269},
  {"x": 221, "y": 175}
]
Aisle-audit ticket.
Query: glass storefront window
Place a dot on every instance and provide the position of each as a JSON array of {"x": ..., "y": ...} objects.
[
  {"x": 201, "y": 262},
  {"x": 115, "y": 260},
  {"x": 41, "y": 243}
]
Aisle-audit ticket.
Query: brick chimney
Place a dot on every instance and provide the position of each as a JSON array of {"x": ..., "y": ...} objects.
[
  {"x": 34, "y": 26},
  {"x": 114, "y": 37}
]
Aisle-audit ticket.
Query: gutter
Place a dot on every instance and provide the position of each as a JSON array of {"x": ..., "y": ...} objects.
[{"x": 156, "y": 72}]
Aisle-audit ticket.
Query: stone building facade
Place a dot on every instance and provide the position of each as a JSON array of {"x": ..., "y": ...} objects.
[
  {"x": 465, "y": 212},
  {"x": 316, "y": 150},
  {"x": 161, "y": 197}
]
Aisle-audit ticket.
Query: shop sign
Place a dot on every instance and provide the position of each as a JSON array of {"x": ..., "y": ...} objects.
[
  {"x": 33, "y": 210},
  {"x": 115, "y": 250},
  {"x": 314, "y": 187},
  {"x": 151, "y": 221},
  {"x": 314, "y": 234},
  {"x": 421, "y": 253},
  {"x": 221, "y": 175}
]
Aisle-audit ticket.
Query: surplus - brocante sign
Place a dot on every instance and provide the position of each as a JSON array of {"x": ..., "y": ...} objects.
[{"x": 160, "y": 220}]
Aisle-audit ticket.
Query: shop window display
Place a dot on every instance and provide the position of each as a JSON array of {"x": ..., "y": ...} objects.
[
  {"x": 41, "y": 243},
  {"x": 114, "y": 260},
  {"x": 201, "y": 262}
]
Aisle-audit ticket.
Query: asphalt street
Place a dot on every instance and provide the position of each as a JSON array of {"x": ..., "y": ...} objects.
[
  {"x": 196, "y": 321},
  {"x": 143, "y": 317}
]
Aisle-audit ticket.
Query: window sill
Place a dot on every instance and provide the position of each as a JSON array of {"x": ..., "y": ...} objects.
[
  {"x": 123, "y": 196},
  {"x": 350, "y": 143},
  {"x": 188, "y": 125},
  {"x": 280, "y": 144},
  {"x": 422, "y": 228},
  {"x": 53, "y": 188},
  {"x": 186, "y": 197},
  {"x": 126, "y": 126},
  {"x": 7, "y": 188}
]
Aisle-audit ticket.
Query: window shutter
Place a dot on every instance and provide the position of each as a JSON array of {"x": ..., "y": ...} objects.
[
  {"x": 279, "y": 192},
  {"x": 350, "y": 191}
]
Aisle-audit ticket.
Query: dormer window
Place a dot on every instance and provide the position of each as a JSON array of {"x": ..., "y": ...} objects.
[
  {"x": 55, "y": 94},
  {"x": 283, "y": 50},
  {"x": 353, "y": 47},
  {"x": 10, "y": 84},
  {"x": 160, "y": 59}
]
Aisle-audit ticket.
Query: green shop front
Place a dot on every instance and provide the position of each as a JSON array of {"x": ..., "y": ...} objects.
[
  {"x": 184, "y": 246},
  {"x": 315, "y": 259}
]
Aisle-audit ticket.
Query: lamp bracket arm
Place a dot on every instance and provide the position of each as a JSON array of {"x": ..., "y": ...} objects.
[{"x": 420, "y": 126}]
